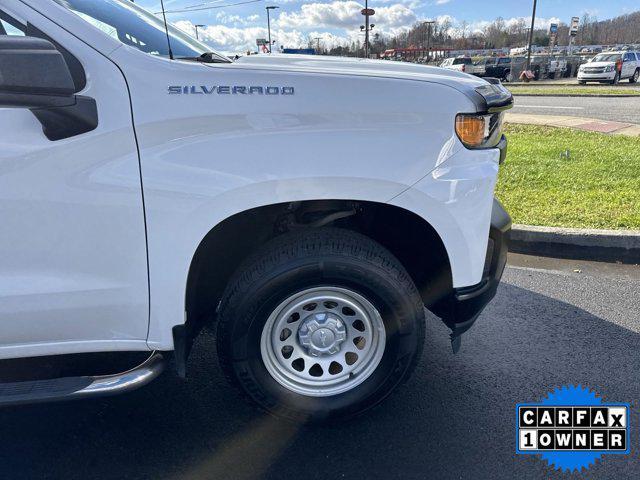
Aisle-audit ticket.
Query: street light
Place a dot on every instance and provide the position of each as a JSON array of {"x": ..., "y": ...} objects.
[
  {"x": 366, "y": 30},
  {"x": 367, "y": 12},
  {"x": 199, "y": 26},
  {"x": 429, "y": 23},
  {"x": 271, "y": 7},
  {"x": 533, "y": 20}
]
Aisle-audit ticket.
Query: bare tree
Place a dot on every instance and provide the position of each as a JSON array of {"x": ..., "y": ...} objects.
[{"x": 622, "y": 29}]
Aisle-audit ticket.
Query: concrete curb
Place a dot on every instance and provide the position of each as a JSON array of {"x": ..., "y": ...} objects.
[
  {"x": 515, "y": 94},
  {"x": 577, "y": 243}
]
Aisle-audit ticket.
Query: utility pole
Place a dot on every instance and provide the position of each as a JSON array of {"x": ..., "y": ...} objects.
[
  {"x": 317, "y": 39},
  {"x": 271, "y": 7},
  {"x": 533, "y": 20},
  {"x": 199, "y": 26}
]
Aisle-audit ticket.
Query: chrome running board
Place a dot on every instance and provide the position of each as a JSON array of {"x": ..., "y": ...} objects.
[{"x": 71, "y": 388}]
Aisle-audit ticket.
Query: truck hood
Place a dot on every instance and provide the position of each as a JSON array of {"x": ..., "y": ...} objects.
[{"x": 322, "y": 64}]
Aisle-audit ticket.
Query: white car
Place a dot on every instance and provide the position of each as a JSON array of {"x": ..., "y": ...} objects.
[
  {"x": 611, "y": 67},
  {"x": 151, "y": 186}
]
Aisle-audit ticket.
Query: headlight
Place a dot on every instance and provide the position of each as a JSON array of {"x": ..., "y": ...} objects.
[
  {"x": 609, "y": 68},
  {"x": 479, "y": 131}
]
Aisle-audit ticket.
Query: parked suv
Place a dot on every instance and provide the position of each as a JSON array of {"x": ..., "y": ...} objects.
[
  {"x": 151, "y": 186},
  {"x": 611, "y": 67}
]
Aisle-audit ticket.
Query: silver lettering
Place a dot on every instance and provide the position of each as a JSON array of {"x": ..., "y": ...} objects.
[{"x": 226, "y": 90}]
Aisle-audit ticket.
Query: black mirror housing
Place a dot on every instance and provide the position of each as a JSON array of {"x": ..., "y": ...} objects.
[{"x": 34, "y": 75}]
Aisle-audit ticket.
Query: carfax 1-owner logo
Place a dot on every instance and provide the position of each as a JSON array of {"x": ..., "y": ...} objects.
[{"x": 572, "y": 427}]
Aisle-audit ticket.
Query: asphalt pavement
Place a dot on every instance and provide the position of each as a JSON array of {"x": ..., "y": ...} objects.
[
  {"x": 552, "y": 323},
  {"x": 616, "y": 109}
]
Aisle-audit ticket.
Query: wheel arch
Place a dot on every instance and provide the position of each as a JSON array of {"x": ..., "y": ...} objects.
[{"x": 411, "y": 238}]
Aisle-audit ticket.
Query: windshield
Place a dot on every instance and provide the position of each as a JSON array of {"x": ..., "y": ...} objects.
[
  {"x": 136, "y": 27},
  {"x": 607, "y": 57}
]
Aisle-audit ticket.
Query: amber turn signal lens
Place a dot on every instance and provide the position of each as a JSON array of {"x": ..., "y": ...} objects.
[{"x": 471, "y": 129}]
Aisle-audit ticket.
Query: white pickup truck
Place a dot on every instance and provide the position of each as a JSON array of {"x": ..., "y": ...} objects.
[
  {"x": 460, "y": 64},
  {"x": 151, "y": 186}
]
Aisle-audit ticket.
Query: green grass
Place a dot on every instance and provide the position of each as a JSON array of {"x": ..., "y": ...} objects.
[
  {"x": 598, "y": 186},
  {"x": 572, "y": 90}
]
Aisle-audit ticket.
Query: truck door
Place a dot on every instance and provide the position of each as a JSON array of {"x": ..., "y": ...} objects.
[{"x": 73, "y": 265}]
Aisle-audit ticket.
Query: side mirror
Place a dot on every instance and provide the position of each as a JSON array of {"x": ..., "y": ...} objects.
[{"x": 34, "y": 75}]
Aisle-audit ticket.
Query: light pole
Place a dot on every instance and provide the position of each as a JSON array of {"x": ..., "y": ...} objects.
[
  {"x": 429, "y": 23},
  {"x": 366, "y": 34},
  {"x": 366, "y": 28},
  {"x": 271, "y": 7},
  {"x": 199, "y": 26},
  {"x": 317, "y": 39},
  {"x": 533, "y": 20}
]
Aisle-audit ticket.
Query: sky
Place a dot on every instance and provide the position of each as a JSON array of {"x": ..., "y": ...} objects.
[{"x": 235, "y": 28}]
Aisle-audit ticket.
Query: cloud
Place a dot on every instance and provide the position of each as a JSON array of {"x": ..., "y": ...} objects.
[
  {"x": 224, "y": 18},
  {"x": 346, "y": 15},
  {"x": 442, "y": 2},
  {"x": 233, "y": 40},
  {"x": 293, "y": 29}
]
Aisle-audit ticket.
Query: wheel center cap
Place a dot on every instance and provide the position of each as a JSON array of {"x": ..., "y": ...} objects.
[
  {"x": 323, "y": 338},
  {"x": 322, "y": 334}
]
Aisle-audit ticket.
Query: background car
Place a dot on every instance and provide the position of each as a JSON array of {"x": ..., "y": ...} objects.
[
  {"x": 611, "y": 67},
  {"x": 461, "y": 64}
]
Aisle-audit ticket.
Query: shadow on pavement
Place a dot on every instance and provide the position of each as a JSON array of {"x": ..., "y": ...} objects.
[{"x": 453, "y": 419}]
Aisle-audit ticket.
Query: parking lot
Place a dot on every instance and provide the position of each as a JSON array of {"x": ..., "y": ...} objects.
[{"x": 553, "y": 323}]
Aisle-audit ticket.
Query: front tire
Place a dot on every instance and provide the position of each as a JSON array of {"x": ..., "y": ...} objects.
[
  {"x": 635, "y": 76},
  {"x": 320, "y": 324}
]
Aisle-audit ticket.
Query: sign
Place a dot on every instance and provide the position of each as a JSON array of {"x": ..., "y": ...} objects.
[
  {"x": 553, "y": 34},
  {"x": 368, "y": 12},
  {"x": 572, "y": 427},
  {"x": 573, "y": 29},
  {"x": 261, "y": 41},
  {"x": 599, "y": 428}
]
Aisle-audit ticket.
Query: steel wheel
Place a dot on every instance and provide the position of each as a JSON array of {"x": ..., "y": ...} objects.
[
  {"x": 300, "y": 328},
  {"x": 323, "y": 341}
]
